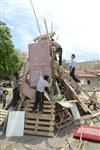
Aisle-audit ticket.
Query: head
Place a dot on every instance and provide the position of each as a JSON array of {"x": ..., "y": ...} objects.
[
  {"x": 46, "y": 77},
  {"x": 52, "y": 39},
  {"x": 72, "y": 56}
]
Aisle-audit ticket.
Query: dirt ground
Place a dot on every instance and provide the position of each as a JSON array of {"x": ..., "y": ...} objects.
[{"x": 45, "y": 143}]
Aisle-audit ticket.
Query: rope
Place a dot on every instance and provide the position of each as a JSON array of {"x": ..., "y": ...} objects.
[{"x": 35, "y": 17}]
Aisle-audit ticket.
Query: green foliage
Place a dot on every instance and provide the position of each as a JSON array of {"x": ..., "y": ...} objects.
[{"x": 9, "y": 56}]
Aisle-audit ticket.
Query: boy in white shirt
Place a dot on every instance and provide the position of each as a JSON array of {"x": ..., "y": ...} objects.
[
  {"x": 41, "y": 85},
  {"x": 72, "y": 69}
]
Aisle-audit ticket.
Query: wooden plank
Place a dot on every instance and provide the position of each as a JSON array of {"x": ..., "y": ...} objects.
[
  {"x": 39, "y": 116},
  {"x": 39, "y": 127},
  {"x": 40, "y": 122},
  {"x": 48, "y": 104},
  {"x": 44, "y": 106},
  {"x": 2, "y": 118},
  {"x": 3, "y": 110},
  {"x": 81, "y": 102},
  {"x": 3, "y": 113},
  {"x": 44, "y": 110},
  {"x": 95, "y": 115},
  {"x": 38, "y": 133},
  {"x": 45, "y": 102}
]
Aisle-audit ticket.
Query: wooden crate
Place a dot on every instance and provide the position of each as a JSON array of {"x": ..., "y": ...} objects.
[
  {"x": 3, "y": 115},
  {"x": 39, "y": 123}
]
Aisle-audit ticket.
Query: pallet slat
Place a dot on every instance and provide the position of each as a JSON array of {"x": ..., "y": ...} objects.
[
  {"x": 39, "y": 127},
  {"x": 38, "y": 133},
  {"x": 40, "y": 122},
  {"x": 3, "y": 114}
]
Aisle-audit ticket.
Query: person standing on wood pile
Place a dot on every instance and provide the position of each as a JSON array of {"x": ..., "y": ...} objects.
[
  {"x": 93, "y": 100},
  {"x": 58, "y": 51},
  {"x": 42, "y": 85},
  {"x": 73, "y": 68},
  {"x": 16, "y": 96}
]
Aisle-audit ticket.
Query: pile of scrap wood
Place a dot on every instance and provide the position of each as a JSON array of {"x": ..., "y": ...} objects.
[{"x": 63, "y": 106}]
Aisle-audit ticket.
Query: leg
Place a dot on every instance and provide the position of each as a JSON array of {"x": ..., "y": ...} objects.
[
  {"x": 14, "y": 97},
  {"x": 37, "y": 100},
  {"x": 41, "y": 102},
  {"x": 60, "y": 56},
  {"x": 4, "y": 103},
  {"x": 95, "y": 107},
  {"x": 72, "y": 74},
  {"x": 90, "y": 104}
]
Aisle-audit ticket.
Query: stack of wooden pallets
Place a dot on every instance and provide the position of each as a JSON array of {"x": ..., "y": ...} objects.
[{"x": 39, "y": 123}]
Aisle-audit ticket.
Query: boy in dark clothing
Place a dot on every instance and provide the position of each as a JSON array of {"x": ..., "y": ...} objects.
[
  {"x": 16, "y": 96},
  {"x": 58, "y": 51},
  {"x": 4, "y": 98}
]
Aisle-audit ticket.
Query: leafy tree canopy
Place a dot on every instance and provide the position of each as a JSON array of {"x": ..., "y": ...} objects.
[{"x": 9, "y": 56}]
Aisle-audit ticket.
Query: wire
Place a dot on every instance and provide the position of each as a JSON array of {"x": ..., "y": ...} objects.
[{"x": 35, "y": 17}]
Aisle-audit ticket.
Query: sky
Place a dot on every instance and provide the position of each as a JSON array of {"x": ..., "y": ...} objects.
[{"x": 76, "y": 23}]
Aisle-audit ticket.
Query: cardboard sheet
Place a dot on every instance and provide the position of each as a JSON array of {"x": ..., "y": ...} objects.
[{"x": 39, "y": 61}]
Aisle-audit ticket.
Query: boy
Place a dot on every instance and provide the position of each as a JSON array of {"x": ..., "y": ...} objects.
[
  {"x": 72, "y": 69},
  {"x": 4, "y": 98},
  {"x": 58, "y": 51},
  {"x": 41, "y": 85}
]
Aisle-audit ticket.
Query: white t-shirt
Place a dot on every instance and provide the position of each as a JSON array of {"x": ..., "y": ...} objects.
[
  {"x": 42, "y": 84},
  {"x": 73, "y": 63}
]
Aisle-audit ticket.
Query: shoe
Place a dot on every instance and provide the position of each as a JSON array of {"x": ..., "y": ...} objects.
[
  {"x": 41, "y": 111},
  {"x": 34, "y": 111}
]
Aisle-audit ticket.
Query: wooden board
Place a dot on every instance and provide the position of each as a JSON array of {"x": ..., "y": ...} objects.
[{"x": 75, "y": 96}]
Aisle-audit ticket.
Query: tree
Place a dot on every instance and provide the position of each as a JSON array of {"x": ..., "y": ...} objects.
[{"x": 9, "y": 60}]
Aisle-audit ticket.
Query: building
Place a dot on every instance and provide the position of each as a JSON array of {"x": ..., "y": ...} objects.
[
  {"x": 89, "y": 65},
  {"x": 89, "y": 79}
]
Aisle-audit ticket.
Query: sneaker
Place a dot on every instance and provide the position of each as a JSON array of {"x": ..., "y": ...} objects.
[{"x": 41, "y": 111}]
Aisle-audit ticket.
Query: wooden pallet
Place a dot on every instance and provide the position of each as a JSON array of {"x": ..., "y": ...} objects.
[
  {"x": 3, "y": 115},
  {"x": 39, "y": 123},
  {"x": 62, "y": 117}
]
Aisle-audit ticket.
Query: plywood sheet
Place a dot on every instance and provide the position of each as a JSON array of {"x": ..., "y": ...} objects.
[
  {"x": 27, "y": 91},
  {"x": 15, "y": 125},
  {"x": 39, "y": 61}
]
